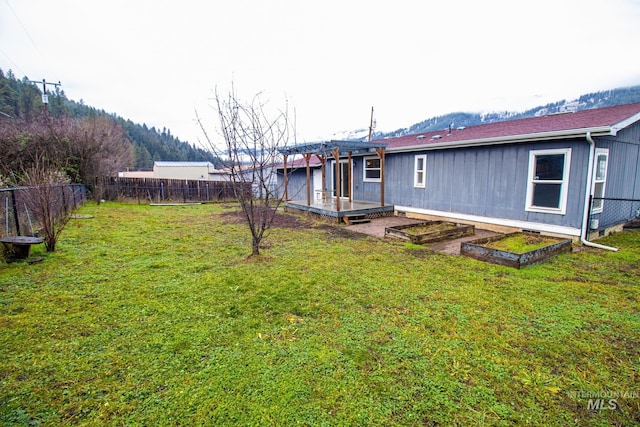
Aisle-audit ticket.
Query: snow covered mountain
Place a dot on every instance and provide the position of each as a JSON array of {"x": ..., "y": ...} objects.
[{"x": 592, "y": 100}]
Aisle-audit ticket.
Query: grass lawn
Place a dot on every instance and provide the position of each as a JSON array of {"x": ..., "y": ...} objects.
[{"x": 155, "y": 316}]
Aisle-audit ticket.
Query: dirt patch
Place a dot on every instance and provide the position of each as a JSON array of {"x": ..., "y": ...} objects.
[
  {"x": 340, "y": 232},
  {"x": 280, "y": 220},
  {"x": 430, "y": 228},
  {"x": 289, "y": 221}
]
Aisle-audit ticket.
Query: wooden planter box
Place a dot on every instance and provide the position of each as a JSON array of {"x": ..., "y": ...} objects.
[
  {"x": 477, "y": 249},
  {"x": 633, "y": 224},
  {"x": 441, "y": 230}
]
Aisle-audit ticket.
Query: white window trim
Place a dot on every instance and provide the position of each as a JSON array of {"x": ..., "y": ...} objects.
[
  {"x": 564, "y": 188},
  {"x": 365, "y": 169},
  {"x": 416, "y": 182},
  {"x": 599, "y": 152}
]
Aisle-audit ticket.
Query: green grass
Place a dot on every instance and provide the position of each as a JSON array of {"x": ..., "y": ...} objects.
[
  {"x": 520, "y": 243},
  {"x": 155, "y": 316}
]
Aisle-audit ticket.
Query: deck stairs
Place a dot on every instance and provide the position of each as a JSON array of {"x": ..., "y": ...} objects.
[{"x": 356, "y": 219}]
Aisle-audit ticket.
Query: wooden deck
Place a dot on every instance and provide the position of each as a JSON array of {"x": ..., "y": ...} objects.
[{"x": 329, "y": 209}]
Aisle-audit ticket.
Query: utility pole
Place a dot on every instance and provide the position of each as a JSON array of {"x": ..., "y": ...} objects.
[
  {"x": 372, "y": 125},
  {"x": 45, "y": 97}
]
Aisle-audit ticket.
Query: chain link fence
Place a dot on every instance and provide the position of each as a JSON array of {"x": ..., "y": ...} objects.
[
  {"x": 606, "y": 212},
  {"x": 18, "y": 216}
]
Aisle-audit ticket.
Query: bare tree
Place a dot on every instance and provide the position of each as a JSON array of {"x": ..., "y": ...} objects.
[
  {"x": 46, "y": 199},
  {"x": 252, "y": 136}
]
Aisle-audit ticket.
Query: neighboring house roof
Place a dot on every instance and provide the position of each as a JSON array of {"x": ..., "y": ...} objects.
[
  {"x": 600, "y": 121},
  {"x": 182, "y": 164},
  {"x": 300, "y": 163}
]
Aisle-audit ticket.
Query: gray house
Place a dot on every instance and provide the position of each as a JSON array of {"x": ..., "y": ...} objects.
[{"x": 564, "y": 174}]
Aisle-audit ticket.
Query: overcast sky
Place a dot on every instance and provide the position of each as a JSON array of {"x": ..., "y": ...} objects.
[{"x": 157, "y": 62}]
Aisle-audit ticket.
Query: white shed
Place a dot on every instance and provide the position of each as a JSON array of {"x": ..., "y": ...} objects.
[{"x": 187, "y": 170}]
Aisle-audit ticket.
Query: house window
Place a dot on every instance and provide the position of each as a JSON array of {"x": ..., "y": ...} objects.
[
  {"x": 548, "y": 180},
  {"x": 372, "y": 171},
  {"x": 600, "y": 178},
  {"x": 420, "y": 171}
]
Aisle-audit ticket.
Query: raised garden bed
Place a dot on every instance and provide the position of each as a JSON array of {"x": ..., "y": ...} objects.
[
  {"x": 634, "y": 224},
  {"x": 429, "y": 231},
  {"x": 515, "y": 249}
]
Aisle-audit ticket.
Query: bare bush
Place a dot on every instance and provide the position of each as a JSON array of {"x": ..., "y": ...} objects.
[
  {"x": 82, "y": 148},
  {"x": 46, "y": 199}
]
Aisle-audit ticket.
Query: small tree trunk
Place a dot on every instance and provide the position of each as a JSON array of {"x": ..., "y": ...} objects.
[
  {"x": 255, "y": 246},
  {"x": 50, "y": 244}
]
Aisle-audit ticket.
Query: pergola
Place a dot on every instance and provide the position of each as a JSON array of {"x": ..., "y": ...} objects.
[{"x": 322, "y": 150}]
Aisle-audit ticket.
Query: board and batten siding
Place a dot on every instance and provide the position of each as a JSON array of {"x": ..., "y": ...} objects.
[
  {"x": 622, "y": 167},
  {"x": 623, "y": 176},
  {"x": 489, "y": 181},
  {"x": 623, "y": 171},
  {"x": 297, "y": 184}
]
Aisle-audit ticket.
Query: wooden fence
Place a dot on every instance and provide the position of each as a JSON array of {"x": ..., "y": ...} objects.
[{"x": 155, "y": 190}]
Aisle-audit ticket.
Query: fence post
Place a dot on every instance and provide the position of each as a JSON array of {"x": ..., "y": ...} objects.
[
  {"x": 6, "y": 214},
  {"x": 73, "y": 196},
  {"x": 65, "y": 204},
  {"x": 184, "y": 191},
  {"x": 15, "y": 211},
  {"x": 588, "y": 227},
  {"x": 96, "y": 194}
]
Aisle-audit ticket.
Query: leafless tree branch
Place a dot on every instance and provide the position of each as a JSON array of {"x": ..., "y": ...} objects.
[{"x": 252, "y": 135}]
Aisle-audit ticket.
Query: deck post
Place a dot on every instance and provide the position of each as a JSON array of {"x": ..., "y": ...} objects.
[
  {"x": 323, "y": 160},
  {"x": 336, "y": 156},
  {"x": 307, "y": 157},
  {"x": 286, "y": 182},
  {"x": 350, "y": 180}
]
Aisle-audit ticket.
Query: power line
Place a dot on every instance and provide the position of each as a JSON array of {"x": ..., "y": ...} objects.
[
  {"x": 13, "y": 62},
  {"x": 23, "y": 27}
]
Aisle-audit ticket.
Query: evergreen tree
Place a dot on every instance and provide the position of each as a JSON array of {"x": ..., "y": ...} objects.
[{"x": 8, "y": 98}]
